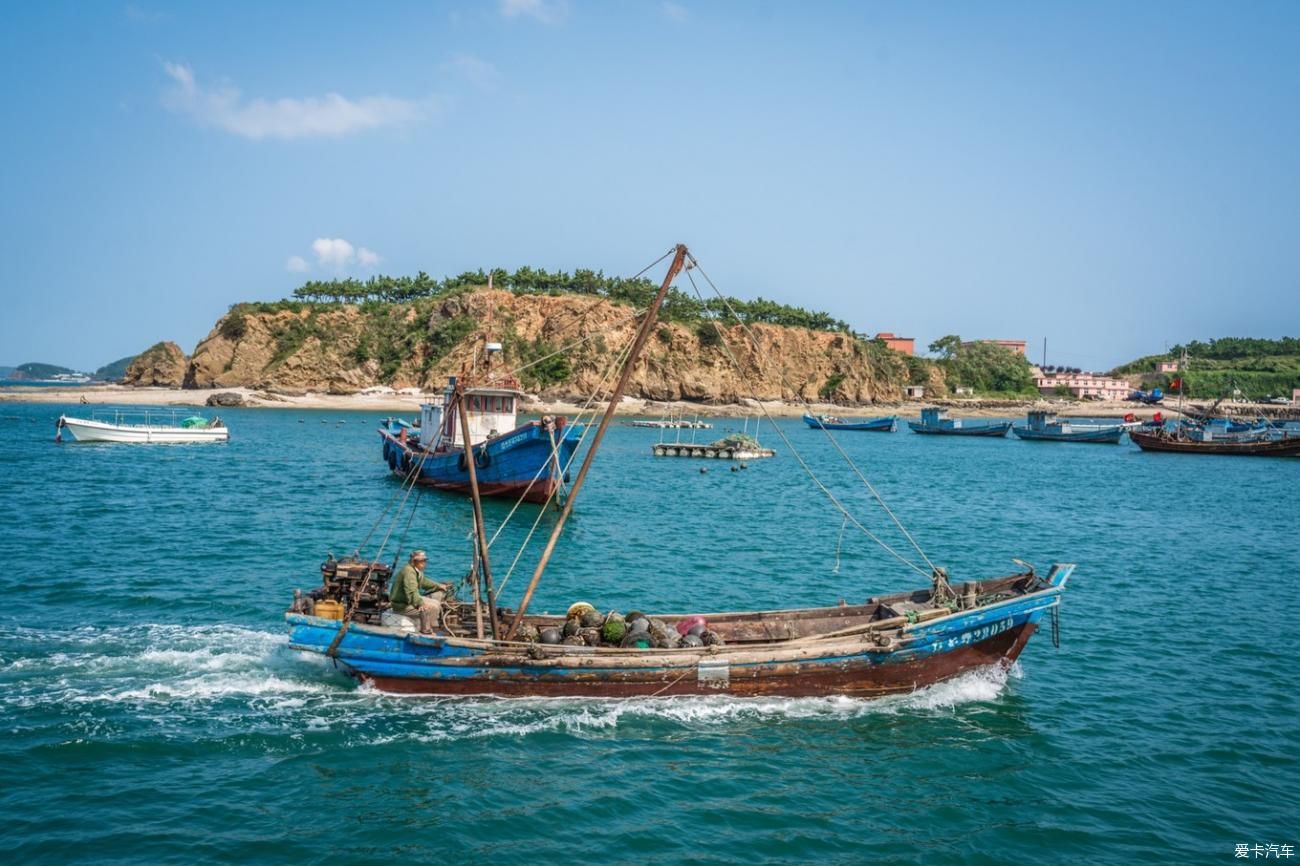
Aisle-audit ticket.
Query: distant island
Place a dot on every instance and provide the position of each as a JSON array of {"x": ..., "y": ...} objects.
[{"x": 562, "y": 331}]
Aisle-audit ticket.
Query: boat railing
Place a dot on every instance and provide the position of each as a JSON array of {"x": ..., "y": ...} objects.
[{"x": 134, "y": 417}]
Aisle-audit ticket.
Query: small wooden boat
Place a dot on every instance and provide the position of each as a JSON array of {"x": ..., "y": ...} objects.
[
  {"x": 1044, "y": 426},
  {"x": 151, "y": 426},
  {"x": 935, "y": 421},
  {"x": 1179, "y": 441},
  {"x": 889, "y": 644},
  {"x": 526, "y": 460},
  {"x": 886, "y": 424}
]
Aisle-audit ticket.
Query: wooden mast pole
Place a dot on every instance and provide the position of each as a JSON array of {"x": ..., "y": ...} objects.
[
  {"x": 479, "y": 533},
  {"x": 642, "y": 334}
]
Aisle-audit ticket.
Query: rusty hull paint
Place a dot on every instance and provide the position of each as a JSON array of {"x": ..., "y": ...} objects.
[{"x": 790, "y": 679}]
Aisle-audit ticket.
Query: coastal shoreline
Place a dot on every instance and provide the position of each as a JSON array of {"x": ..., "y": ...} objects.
[{"x": 100, "y": 396}]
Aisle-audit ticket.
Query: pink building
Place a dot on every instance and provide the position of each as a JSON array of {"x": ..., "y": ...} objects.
[
  {"x": 906, "y": 345},
  {"x": 1094, "y": 385},
  {"x": 1166, "y": 366}
]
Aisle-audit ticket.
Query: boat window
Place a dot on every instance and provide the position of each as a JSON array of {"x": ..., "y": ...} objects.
[
  {"x": 475, "y": 404},
  {"x": 509, "y": 404}
]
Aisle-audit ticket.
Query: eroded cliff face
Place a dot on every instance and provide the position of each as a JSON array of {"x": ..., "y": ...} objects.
[
  {"x": 343, "y": 349},
  {"x": 162, "y": 365}
]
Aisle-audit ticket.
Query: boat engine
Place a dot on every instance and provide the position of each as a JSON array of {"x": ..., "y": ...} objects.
[{"x": 349, "y": 583}]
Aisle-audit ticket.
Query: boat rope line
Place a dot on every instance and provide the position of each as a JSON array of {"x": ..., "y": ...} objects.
[
  {"x": 409, "y": 478},
  {"x": 834, "y": 442},
  {"x": 636, "y": 314},
  {"x": 613, "y": 365},
  {"x": 590, "y": 404},
  {"x": 795, "y": 451}
]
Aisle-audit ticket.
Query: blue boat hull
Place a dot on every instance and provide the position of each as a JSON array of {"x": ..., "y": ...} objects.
[
  {"x": 887, "y": 424},
  {"x": 516, "y": 464},
  {"x": 1104, "y": 435},
  {"x": 922, "y": 654}
]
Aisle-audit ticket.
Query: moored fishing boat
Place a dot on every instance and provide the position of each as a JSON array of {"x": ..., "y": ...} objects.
[
  {"x": 935, "y": 421},
  {"x": 525, "y": 461},
  {"x": 885, "y": 424},
  {"x": 151, "y": 426},
  {"x": 888, "y": 644},
  {"x": 1246, "y": 445},
  {"x": 1044, "y": 426}
]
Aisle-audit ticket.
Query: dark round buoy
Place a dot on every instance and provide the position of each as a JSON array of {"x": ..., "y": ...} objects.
[
  {"x": 703, "y": 470},
  {"x": 572, "y": 626},
  {"x": 711, "y": 638},
  {"x": 639, "y": 625},
  {"x": 631, "y": 615},
  {"x": 744, "y": 466},
  {"x": 697, "y": 630},
  {"x": 735, "y": 469},
  {"x": 692, "y": 640},
  {"x": 574, "y": 640},
  {"x": 551, "y": 635},
  {"x": 592, "y": 619},
  {"x": 528, "y": 633},
  {"x": 591, "y": 636}
]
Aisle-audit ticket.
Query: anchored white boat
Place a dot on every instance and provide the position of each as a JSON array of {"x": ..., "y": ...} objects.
[{"x": 142, "y": 426}]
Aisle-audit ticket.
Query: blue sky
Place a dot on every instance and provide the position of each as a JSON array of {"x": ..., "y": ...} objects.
[{"x": 1111, "y": 176}]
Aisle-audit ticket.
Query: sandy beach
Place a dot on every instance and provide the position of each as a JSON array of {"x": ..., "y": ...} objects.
[{"x": 404, "y": 404}]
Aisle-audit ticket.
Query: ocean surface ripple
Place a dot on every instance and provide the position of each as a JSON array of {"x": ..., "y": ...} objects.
[{"x": 152, "y": 712}]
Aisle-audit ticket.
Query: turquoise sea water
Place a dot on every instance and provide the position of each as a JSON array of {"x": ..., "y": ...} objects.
[{"x": 152, "y": 713}]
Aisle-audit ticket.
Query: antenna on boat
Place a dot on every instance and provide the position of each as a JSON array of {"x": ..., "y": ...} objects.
[{"x": 647, "y": 324}]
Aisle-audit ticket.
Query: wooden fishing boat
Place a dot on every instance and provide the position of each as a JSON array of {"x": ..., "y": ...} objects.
[
  {"x": 1251, "y": 446},
  {"x": 936, "y": 421},
  {"x": 1044, "y": 426},
  {"x": 888, "y": 644},
  {"x": 885, "y": 424},
  {"x": 891, "y": 644},
  {"x": 146, "y": 426},
  {"x": 524, "y": 461}
]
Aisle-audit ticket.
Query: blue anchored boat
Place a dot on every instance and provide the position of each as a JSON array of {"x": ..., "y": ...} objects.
[
  {"x": 886, "y": 424},
  {"x": 936, "y": 421},
  {"x": 514, "y": 460},
  {"x": 1044, "y": 426},
  {"x": 888, "y": 644}
]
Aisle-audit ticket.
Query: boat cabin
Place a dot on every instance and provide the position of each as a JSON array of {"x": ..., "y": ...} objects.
[
  {"x": 1042, "y": 420},
  {"x": 492, "y": 411},
  {"x": 933, "y": 416}
]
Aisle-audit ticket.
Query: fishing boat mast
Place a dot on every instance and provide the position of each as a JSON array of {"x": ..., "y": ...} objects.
[
  {"x": 647, "y": 325},
  {"x": 480, "y": 536}
]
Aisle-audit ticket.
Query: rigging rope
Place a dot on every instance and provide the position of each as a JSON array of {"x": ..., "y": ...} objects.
[
  {"x": 797, "y": 456},
  {"x": 615, "y": 364}
]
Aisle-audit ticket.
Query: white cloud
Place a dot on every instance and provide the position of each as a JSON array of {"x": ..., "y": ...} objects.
[
  {"x": 546, "y": 11},
  {"x": 674, "y": 11},
  {"x": 296, "y": 265},
  {"x": 367, "y": 258},
  {"x": 328, "y": 115},
  {"x": 333, "y": 252},
  {"x": 476, "y": 71}
]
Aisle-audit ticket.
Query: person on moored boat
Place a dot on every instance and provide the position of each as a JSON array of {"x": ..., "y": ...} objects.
[{"x": 413, "y": 594}]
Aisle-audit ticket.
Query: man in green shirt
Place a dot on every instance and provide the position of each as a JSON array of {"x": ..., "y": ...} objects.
[{"x": 413, "y": 594}]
